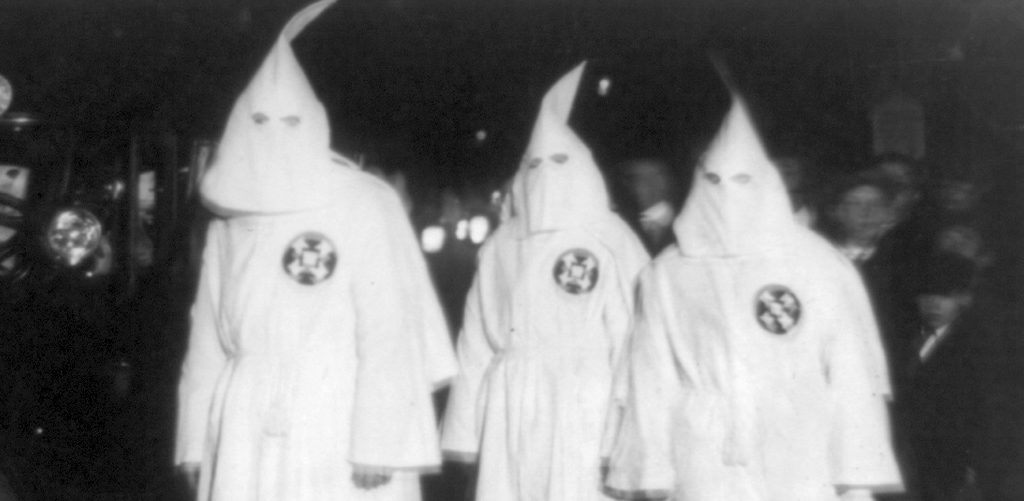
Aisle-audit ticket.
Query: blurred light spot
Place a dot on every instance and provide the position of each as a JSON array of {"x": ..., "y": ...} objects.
[
  {"x": 73, "y": 235},
  {"x": 481, "y": 135},
  {"x": 432, "y": 239},
  {"x": 115, "y": 189},
  {"x": 603, "y": 86},
  {"x": 462, "y": 229},
  {"x": 38, "y": 430},
  {"x": 479, "y": 228}
]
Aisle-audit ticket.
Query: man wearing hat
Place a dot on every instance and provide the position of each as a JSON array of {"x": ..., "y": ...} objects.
[
  {"x": 941, "y": 387},
  {"x": 316, "y": 337}
]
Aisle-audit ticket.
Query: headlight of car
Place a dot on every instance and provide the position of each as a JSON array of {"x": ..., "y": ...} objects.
[
  {"x": 72, "y": 235},
  {"x": 432, "y": 239}
]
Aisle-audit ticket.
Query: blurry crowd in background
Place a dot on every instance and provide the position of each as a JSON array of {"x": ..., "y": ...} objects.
[{"x": 927, "y": 244}]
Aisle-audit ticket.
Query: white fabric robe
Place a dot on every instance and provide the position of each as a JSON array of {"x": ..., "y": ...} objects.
[
  {"x": 816, "y": 419},
  {"x": 546, "y": 321},
  {"x": 316, "y": 334},
  {"x": 287, "y": 384},
  {"x": 756, "y": 371},
  {"x": 536, "y": 366}
]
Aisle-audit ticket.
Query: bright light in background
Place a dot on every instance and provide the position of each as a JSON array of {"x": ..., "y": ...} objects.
[
  {"x": 147, "y": 196},
  {"x": 479, "y": 227},
  {"x": 73, "y": 235},
  {"x": 603, "y": 86},
  {"x": 115, "y": 189},
  {"x": 432, "y": 239},
  {"x": 462, "y": 229},
  {"x": 481, "y": 135}
]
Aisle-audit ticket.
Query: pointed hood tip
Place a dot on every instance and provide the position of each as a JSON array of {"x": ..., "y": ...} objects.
[
  {"x": 558, "y": 184},
  {"x": 737, "y": 143},
  {"x": 559, "y": 99},
  {"x": 297, "y": 24},
  {"x": 248, "y": 174},
  {"x": 738, "y": 204}
]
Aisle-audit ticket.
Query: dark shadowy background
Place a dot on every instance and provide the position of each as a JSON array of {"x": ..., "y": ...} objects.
[{"x": 408, "y": 85}]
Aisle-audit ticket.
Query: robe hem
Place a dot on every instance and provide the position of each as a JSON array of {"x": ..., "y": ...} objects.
[
  {"x": 874, "y": 488},
  {"x": 440, "y": 384},
  {"x": 637, "y": 494},
  {"x": 422, "y": 469},
  {"x": 460, "y": 456}
]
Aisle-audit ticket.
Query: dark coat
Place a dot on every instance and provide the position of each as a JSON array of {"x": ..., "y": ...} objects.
[{"x": 941, "y": 404}]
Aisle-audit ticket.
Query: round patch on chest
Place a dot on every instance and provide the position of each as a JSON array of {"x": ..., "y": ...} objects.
[
  {"x": 777, "y": 309},
  {"x": 310, "y": 258},
  {"x": 576, "y": 271}
]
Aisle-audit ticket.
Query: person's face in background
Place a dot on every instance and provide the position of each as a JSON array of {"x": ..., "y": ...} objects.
[
  {"x": 961, "y": 240},
  {"x": 901, "y": 175},
  {"x": 939, "y": 310},
  {"x": 649, "y": 183},
  {"x": 863, "y": 213}
]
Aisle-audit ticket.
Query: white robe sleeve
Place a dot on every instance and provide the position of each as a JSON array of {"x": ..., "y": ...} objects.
[
  {"x": 205, "y": 357},
  {"x": 859, "y": 304},
  {"x": 861, "y": 448},
  {"x": 640, "y": 464},
  {"x": 461, "y": 438},
  {"x": 630, "y": 258},
  {"x": 400, "y": 355}
]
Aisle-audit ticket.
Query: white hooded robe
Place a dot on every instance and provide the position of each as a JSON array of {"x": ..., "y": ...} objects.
[
  {"x": 316, "y": 337},
  {"x": 546, "y": 320},
  {"x": 756, "y": 371}
]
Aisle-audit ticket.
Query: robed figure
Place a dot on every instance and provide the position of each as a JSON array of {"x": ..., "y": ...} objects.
[
  {"x": 316, "y": 337},
  {"x": 546, "y": 321},
  {"x": 756, "y": 371}
]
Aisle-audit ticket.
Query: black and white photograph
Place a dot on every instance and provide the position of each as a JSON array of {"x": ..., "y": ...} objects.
[{"x": 511, "y": 250}]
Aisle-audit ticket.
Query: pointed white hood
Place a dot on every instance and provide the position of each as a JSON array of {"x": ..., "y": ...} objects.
[
  {"x": 275, "y": 154},
  {"x": 738, "y": 204},
  {"x": 558, "y": 184}
]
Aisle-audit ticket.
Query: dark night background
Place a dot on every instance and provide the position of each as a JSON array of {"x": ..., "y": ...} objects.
[
  {"x": 407, "y": 84},
  {"x": 411, "y": 81}
]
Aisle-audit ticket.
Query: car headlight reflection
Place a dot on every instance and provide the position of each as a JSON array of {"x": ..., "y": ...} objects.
[
  {"x": 73, "y": 235},
  {"x": 479, "y": 228},
  {"x": 432, "y": 239}
]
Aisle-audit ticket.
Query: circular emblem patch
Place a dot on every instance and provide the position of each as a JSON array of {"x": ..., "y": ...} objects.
[
  {"x": 310, "y": 258},
  {"x": 576, "y": 271},
  {"x": 777, "y": 309}
]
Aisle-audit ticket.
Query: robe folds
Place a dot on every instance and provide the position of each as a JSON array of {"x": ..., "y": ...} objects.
[
  {"x": 537, "y": 355},
  {"x": 756, "y": 371},
  {"x": 316, "y": 341},
  {"x": 757, "y": 413},
  {"x": 546, "y": 322}
]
